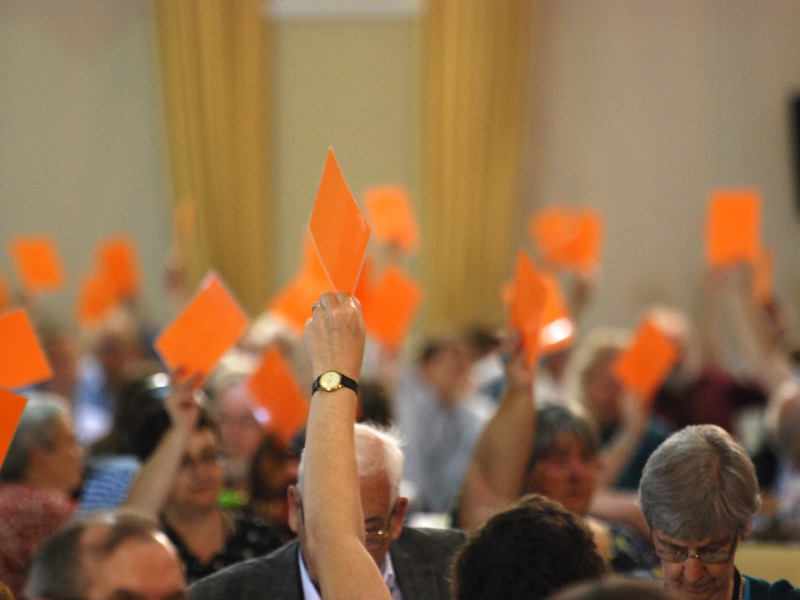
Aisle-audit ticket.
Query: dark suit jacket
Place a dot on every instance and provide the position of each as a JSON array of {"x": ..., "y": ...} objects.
[{"x": 421, "y": 560}]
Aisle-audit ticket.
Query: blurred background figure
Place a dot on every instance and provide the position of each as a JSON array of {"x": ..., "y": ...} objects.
[{"x": 272, "y": 471}]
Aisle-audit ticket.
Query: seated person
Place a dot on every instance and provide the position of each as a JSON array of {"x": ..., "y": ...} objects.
[
  {"x": 551, "y": 450},
  {"x": 181, "y": 483},
  {"x": 614, "y": 588},
  {"x": 41, "y": 471},
  {"x": 699, "y": 494},
  {"x": 116, "y": 554},
  {"x": 526, "y": 552},
  {"x": 414, "y": 562}
]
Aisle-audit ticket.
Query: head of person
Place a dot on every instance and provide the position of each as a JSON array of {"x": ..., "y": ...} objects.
[
  {"x": 590, "y": 378},
  {"x": 445, "y": 363},
  {"x": 240, "y": 432},
  {"x": 201, "y": 476},
  {"x": 44, "y": 452},
  {"x": 118, "y": 346},
  {"x": 526, "y": 552},
  {"x": 612, "y": 588},
  {"x": 273, "y": 470},
  {"x": 116, "y": 554},
  {"x": 380, "y": 470},
  {"x": 699, "y": 494},
  {"x": 564, "y": 460}
]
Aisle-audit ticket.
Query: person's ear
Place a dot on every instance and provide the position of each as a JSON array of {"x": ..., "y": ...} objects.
[
  {"x": 295, "y": 517},
  {"x": 398, "y": 518}
]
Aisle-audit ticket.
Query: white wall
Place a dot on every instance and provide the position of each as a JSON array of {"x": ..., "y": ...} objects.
[
  {"x": 640, "y": 109},
  {"x": 81, "y": 137}
]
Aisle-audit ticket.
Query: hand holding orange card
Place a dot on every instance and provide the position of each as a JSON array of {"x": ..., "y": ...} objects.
[
  {"x": 37, "y": 263},
  {"x": 392, "y": 217},
  {"x": 22, "y": 360},
  {"x": 281, "y": 405},
  {"x": 733, "y": 226},
  {"x": 391, "y": 307},
  {"x": 644, "y": 365},
  {"x": 338, "y": 228},
  {"x": 199, "y": 336},
  {"x": 11, "y": 407},
  {"x": 527, "y": 304}
]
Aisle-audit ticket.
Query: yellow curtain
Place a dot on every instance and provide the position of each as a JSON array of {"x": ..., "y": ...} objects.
[
  {"x": 475, "y": 89},
  {"x": 214, "y": 72}
]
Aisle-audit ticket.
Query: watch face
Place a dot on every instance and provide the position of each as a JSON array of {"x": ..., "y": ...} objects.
[{"x": 330, "y": 381}]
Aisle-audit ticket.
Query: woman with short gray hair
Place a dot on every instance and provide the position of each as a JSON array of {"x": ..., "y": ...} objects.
[{"x": 699, "y": 495}]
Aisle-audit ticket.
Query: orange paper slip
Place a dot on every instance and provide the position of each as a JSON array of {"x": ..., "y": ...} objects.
[
  {"x": 644, "y": 365},
  {"x": 22, "y": 360},
  {"x": 37, "y": 263},
  {"x": 338, "y": 228},
  {"x": 391, "y": 307},
  {"x": 198, "y": 337},
  {"x": 732, "y": 230},
  {"x": 281, "y": 405},
  {"x": 11, "y": 407},
  {"x": 117, "y": 261},
  {"x": 392, "y": 217},
  {"x": 96, "y": 296},
  {"x": 527, "y": 304},
  {"x": 567, "y": 238},
  {"x": 558, "y": 329}
]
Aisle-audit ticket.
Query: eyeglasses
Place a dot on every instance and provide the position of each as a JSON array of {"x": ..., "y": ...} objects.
[
  {"x": 375, "y": 538},
  {"x": 204, "y": 460},
  {"x": 709, "y": 556}
]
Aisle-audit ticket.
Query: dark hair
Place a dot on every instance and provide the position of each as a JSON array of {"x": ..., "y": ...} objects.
[
  {"x": 613, "y": 588},
  {"x": 525, "y": 553},
  {"x": 553, "y": 419},
  {"x": 62, "y": 566}
]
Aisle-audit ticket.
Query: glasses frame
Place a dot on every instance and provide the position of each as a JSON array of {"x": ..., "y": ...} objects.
[{"x": 708, "y": 557}]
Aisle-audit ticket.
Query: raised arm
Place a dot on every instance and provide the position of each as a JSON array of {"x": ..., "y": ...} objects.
[
  {"x": 153, "y": 484},
  {"x": 495, "y": 477},
  {"x": 334, "y": 523}
]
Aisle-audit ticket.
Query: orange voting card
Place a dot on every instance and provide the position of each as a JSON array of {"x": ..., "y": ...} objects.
[
  {"x": 11, "y": 407},
  {"x": 37, "y": 263},
  {"x": 527, "y": 305},
  {"x": 644, "y": 365},
  {"x": 22, "y": 360},
  {"x": 558, "y": 329},
  {"x": 733, "y": 227},
  {"x": 199, "y": 336},
  {"x": 392, "y": 305},
  {"x": 568, "y": 238},
  {"x": 281, "y": 406},
  {"x": 338, "y": 228},
  {"x": 96, "y": 297},
  {"x": 119, "y": 265},
  {"x": 392, "y": 217},
  {"x": 293, "y": 303},
  {"x": 365, "y": 283}
]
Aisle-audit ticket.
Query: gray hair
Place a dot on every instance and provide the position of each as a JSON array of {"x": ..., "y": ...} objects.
[
  {"x": 377, "y": 452},
  {"x": 36, "y": 428},
  {"x": 699, "y": 483},
  {"x": 554, "y": 419},
  {"x": 64, "y": 563}
]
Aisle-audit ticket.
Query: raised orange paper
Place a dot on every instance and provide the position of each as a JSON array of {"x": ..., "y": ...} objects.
[
  {"x": 119, "y": 265},
  {"x": 527, "y": 305},
  {"x": 292, "y": 304},
  {"x": 338, "y": 228},
  {"x": 392, "y": 306},
  {"x": 558, "y": 329},
  {"x": 22, "y": 360},
  {"x": 37, "y": 263},
  {"x": 5, "y": 294},
  {"x": 210, "y": 324},
  {"x": 643, "y": 366},
  {"x": 281, "y": 406},
  {"x": 11, "y": 407},
  {"x": 567, "y": 238},
  {"x": 96, "y": 297},
  {"x": 365, "y": 284},
  {"x": 733, "y": 226},
  {"x": 392, "y": 217}
]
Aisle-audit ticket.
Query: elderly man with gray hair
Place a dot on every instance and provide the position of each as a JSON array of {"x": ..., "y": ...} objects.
[
  {"x": 699, "y": 495},
  {"x": 414, "y": 562}
]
